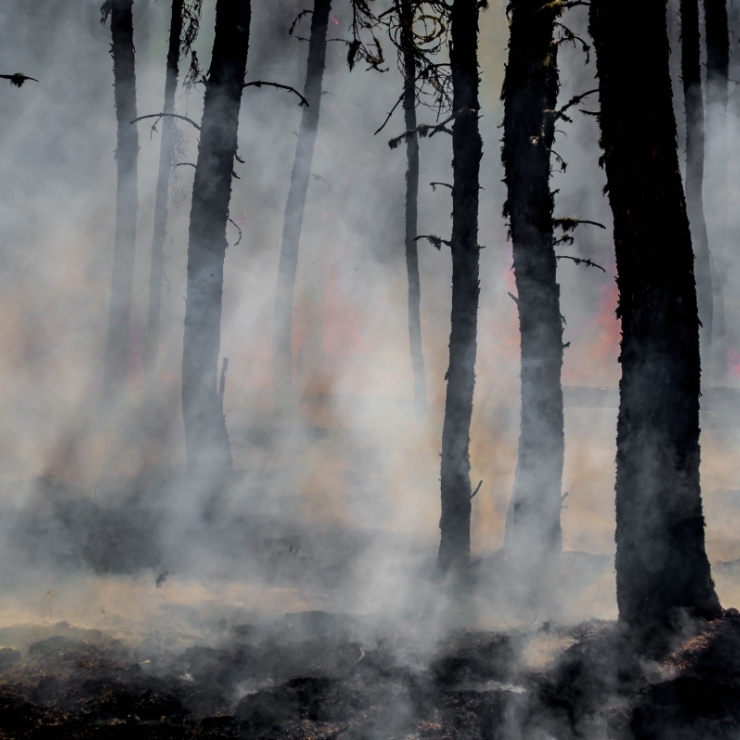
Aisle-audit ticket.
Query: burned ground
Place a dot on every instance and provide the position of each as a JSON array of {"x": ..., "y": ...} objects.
[{"x": 318, "y": 675}]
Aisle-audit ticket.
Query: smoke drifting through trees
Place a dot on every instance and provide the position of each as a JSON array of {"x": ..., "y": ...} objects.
[
  {"x": 467, "y": 149},
  {"x": 282, "y": 353},
  {"x": 206, "y": 437},
  {"x": 533, "y": 532},
  {"x": 166, "y": 160},
  {"x": 695, "y": 138},
  {"x": 662, "y": 567},
  {"x": 127, "y": 150}
]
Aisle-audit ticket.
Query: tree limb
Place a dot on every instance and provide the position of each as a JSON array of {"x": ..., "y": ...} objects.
[
  {"x": 259, "y": 83},
  {"x": 579, "y": 261},
  {"x": 435, "y": 241},
  {"x": 443, "y": 184},
  {"x": 425, "y": 130},
  {"x": 388, "y": 117},
  {"x": 472, "y": 495},
  {"x": 171, "y": 115}
]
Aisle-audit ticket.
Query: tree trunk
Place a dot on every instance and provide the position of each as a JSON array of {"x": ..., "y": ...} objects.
[
  {"x": 127, "y": 150},
  {"x": 662, "y": 567},
  {"x": 718, "y": 63},
  {"x": 692, "y": 87},
  {"x": 166, "y": 157},
  {"x": 467, "y": 147},
  {"x": 412, "y": 198},
  {"x": 206, "y": 437},
  {"x": 282, "y": 353},
  {"x": 533, "y": 531}
]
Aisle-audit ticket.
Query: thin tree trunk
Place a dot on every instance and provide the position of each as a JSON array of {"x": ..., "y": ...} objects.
[
  {"x": 166, "y": 157},
  {"x": 662, "y": 567},
  {"x": 467, "y": 147},
  {"x": 206, "y": 437},
  {"x": 692, "y": 87},
  {"x": 412, "y": 210},
  {"x": 127, "y": 150},
  {"x": 282, "y": 353},
  {"x": 718, "y": 63},
  {"x": 533, "y": 531}
]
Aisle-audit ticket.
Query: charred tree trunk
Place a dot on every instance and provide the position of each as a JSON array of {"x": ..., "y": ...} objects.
[
  {"x": 662, "y": 567},
  {"x": 692, "y": 87},
  {"x": 533, "y": 531},
  {"x": 282, "y": 353},
  {"x": 166, "y": 157},
  {"x": 127, "y": 151},
  {"x": 467, "y": 148},
  {"x": 718, "y": 64},
  {"x": 206, "y": 437},
  {"x": 412, "y": 200}
]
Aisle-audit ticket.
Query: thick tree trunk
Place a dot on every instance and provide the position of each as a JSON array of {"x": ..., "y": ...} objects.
[
  {"x": 127, "y": 151},
  {"x": 533, "y": 531},
  {"x": 467, "y": 147},
  {"x": 662, "y": 567},
  {"x": 166, "y": 157},
  {"x": 282, "y": 353},
  {"x": 718, "y": 63},
  {"x": 412, "y": 210},
  {"x": 692, "y": 87},
  {"x": 206, "y": 438}
]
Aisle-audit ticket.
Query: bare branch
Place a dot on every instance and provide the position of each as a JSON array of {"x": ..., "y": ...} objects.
[
  {"x": 298, "y": 20},
  {"x": 231, "y": 220},
  {"x": 171, "y": 115},
  {"x": 579, "y": 261},
  {"x": 425, "y": 130},
  {"x": 570, "y": 224},
  {"x": 442, "y": 184},
  {"x": 259, "y": 83},
  {"x": 319, "y": 178},
  {"x": 472, "y": 495},
  {"x": 515, "y": 299},
  {"x": 185, "y": 164},
  {"x": 388, "y": 117}
]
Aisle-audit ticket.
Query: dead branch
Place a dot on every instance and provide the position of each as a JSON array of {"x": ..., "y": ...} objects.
[
  {"x": 559, "y": 114},
  {"x": 237, "y": 228},
  {"x": 579, "y": 261},
  {"x": 435, "y": 241},
  {"x": 171, "y": 115},
  {"x": 298, "y": 20},
  {"x": 259, "y": 83},
  {"x": 17, "y": 79},
  {"x": 185, "y": 164},
  {"x": 569, "y": 224},
  {"x": 515, "y": 299},
  {"x": 388, "y": 117},
  {"x": 443, "y": 184},
  {"x": 425, "y": 130},
  {"x": 472, "y": 495}
]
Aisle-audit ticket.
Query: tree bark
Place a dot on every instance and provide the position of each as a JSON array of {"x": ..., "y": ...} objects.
[
  {"x": 467, "y": 147},
  {"x": 166, "y": 157},
  {"x": 206, "y": 437},
  {"x": 127, "y": 151},
  {"x": 412, "y": 198},
  {"x": 533, "y": 531},
  {"x": 662, "y": 567},
  {"x": 718, "y": 63},
  {"x": 692, "y": 87},
  {"x": 282, "y": 352}
]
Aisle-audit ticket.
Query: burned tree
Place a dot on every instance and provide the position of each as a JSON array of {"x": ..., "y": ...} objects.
[
  {"x": 467, "y": 147},
  {"x": 177, "y": 45},
  {"x": 206, "y": 437},
  {"x": 127, "y": 150},
  {"x": 694, "y": 103},
  {"x": 530, "y": 90},
  {"x": 662, "y": 567},
  {"x": 282, "y": 354}
]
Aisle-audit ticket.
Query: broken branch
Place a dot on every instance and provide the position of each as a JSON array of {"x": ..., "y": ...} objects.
[{"x": 171, "y": 115}]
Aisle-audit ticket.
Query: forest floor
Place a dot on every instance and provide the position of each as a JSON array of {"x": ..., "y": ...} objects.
[{"x": 315, "y": 675}]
